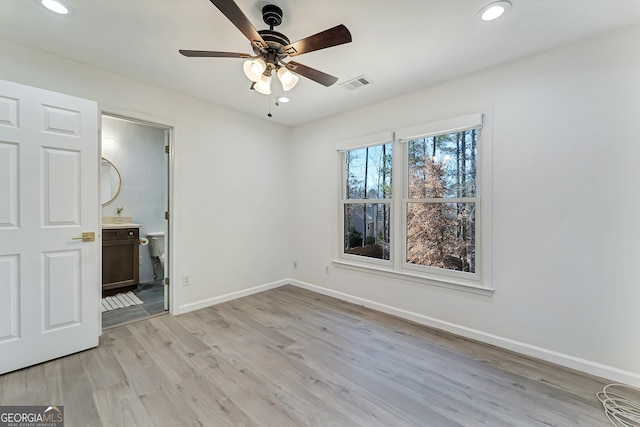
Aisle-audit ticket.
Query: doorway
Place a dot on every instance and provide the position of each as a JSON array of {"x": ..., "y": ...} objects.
[{"x": 135, "y": 207}]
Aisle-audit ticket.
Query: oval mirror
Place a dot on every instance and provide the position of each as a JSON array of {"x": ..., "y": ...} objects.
[{"x": 109, "y": 181}]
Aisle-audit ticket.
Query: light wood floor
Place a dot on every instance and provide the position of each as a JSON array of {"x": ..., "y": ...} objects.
[{"x": 290, "y": 357}]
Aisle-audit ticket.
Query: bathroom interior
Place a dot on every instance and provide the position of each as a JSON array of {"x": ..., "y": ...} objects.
[{"x": 134, "y": 196}]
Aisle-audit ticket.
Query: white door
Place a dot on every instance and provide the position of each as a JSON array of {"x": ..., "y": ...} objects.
[{"x": 49, "y": 278}]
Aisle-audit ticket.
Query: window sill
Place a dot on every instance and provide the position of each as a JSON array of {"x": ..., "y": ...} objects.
[{"x": 442, "y": 282}]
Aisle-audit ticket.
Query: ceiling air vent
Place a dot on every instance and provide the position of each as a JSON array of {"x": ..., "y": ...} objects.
[{"x": 356, "y": 83}]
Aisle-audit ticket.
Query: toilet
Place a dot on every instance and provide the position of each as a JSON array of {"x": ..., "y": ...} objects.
[{"x": 156, "y": 246}]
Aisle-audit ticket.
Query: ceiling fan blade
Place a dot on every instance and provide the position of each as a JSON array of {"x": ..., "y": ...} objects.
[
  {"x": 311, "y": 73},
  {"x": 210, "y": 54},
  {"x": 233, "y": 13},
  {"x": 332, "y": 37}
]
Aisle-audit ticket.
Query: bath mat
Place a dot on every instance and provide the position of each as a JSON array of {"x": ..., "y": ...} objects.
[{"x": 120, "y": 301}]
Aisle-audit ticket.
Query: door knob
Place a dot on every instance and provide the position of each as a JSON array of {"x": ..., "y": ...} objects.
[{"x": 87, "y": 236}]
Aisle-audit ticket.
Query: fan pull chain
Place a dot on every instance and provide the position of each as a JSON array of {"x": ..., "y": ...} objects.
[{"x": 269, "y": 114}]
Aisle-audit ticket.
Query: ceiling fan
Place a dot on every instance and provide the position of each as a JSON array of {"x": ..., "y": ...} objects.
[{"x": 271, "y": 48}]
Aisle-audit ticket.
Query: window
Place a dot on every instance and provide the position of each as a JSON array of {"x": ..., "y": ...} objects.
[
  {"x": 440, "y": 202},
  {"x": 367, "y": 201},
  {"x": 422, "y": 217}
]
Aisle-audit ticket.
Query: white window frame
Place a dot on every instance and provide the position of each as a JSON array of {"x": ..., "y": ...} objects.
[{"x": 396, "y": 267}]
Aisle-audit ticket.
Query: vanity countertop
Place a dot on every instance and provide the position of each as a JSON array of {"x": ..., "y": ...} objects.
[{"x": 123, "y": 225}]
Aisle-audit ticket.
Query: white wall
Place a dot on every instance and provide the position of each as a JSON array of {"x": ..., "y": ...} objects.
[
  {"x": 137, "y": 151},
  {"x": 565, "y": 210},
  {"x": 231, "y": 211}
]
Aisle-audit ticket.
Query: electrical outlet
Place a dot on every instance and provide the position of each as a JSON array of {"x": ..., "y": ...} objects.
[
  {"x": 326, "y": 269},
  {"x": 186, "y": 280},
  {"x": 295, "y": 265}
]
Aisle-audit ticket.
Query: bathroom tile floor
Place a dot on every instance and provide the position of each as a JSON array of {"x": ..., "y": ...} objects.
[{"x": 152, "y": 294}]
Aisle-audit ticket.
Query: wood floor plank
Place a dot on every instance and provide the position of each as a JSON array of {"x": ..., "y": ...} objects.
[
  {"x": 118, "y": 405},
  {"x": 24, "y": 386},
  {"x": 101, "y": 367},
  {"x": 357, "y": 403},
  {"x": 80, "y": 408},
  {"x": 210, "y": 403},
  {"x": 166, "y": 409},
  {"x": 241, "y": 368},
  {"x": 291, "y": 357},
  {"x": 240, "y": 385},
  {"x": 172, "y": 363},
  {"x": 55, "y": 383},
  {"x": 142, "y": 372},
  {"x": 302, "y": 398},
  {"x": 270, "y": 333},
  {"x": 187, "y": 342}
]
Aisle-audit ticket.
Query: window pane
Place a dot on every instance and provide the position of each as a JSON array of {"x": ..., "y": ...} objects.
[
  {"x": 443, "y": 165},
  {"x": 442, "y": 235},
  {"x": 368, "y": 172},
  {"x": 367, "y": 229}
]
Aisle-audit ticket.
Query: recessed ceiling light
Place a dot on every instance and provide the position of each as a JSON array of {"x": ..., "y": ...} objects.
[
  {"x": 56, "y": 6},
  {"x": 494, "y": 10}
]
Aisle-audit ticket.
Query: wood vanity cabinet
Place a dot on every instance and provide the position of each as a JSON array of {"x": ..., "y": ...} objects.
[{"x": 120, "y": 267}]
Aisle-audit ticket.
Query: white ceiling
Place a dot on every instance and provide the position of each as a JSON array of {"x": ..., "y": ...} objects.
[{"x": 400, "y": 45}]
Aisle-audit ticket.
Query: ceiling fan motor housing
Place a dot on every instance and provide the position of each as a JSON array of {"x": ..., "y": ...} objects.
[
  {"x": 274, "y": 53},
  {"x": 272, "y": 16}
]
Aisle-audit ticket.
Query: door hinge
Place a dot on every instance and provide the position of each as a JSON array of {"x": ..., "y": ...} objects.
[
  {"x": 166, "y": 281},
  {"x": 166, "y": 149},
  {"x": 166, "y": 215}
]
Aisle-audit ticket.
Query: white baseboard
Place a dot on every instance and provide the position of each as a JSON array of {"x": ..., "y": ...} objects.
[
  {"x": 228, "y": 297},
  {"x": 583, "y": 365}
]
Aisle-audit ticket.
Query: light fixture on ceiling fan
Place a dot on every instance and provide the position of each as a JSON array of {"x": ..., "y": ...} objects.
[
  {"x": 257, "y": 70},
  {"x": 271, "y": 48}
]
